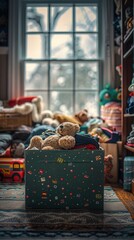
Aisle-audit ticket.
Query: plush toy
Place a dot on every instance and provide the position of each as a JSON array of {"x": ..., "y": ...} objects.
[
  {"x": 50, "y": 122},
  {"x": 46, "y": 114},
  {"x": 47, "y": 119},
  {"x": 78, "y": 118},
  {"x": 62, "y": 139},
  {"x": 108, "y": 166},
  {"x": 61, "y": 118},
  {"x": 98, "y": 132},
  {"x": 35, "y": 143},
  {"x": 82, "y": 116},
  {"x": 109, "y": 94}
]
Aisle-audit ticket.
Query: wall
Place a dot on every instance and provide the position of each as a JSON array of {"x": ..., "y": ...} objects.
[{"x": 3, "y": 48}]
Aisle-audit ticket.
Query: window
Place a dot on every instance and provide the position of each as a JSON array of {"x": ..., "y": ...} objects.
[{"x": 62, "y": 57}]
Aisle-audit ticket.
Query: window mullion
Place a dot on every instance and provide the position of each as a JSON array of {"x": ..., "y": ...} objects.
[{"x": 49, "y": 55}]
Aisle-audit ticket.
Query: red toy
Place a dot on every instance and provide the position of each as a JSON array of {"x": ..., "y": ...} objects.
[{"x": 12, "y": 168}]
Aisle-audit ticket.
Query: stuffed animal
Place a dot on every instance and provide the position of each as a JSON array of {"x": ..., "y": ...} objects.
[
  {"x": 47, "y": 119},
  {"x": 98, "y": 132},
  {"x": 61, "y": 118},
  {"x": 35, "y": 143},
  {"x": 109, "y": 94},
  {"x": 82, "y": 116},
  {"x": 46, "y": 114},
  {"x": 62, "y": 139},
  {"x": 108, "y": 166}
]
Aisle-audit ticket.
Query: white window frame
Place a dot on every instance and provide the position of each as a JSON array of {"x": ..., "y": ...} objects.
[{"x": 17, "y": 46}]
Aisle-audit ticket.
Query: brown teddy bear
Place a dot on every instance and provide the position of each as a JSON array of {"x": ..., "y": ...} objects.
[
  {"x": 78, "y": 118},
  {"x": 82, "y": 116},
  {"x": 35, "y": 143},
  {"x": 61, "y": 118},
  {"x": 62, "y": 139}
]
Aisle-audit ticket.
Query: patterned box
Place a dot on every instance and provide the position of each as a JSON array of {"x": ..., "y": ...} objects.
[
  {"x": 64, "y": 179},
  {"x": 128, "y": 172}
]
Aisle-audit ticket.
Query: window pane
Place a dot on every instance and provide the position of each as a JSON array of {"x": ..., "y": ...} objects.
[
  {"x": 37, "y": 19},
  {"x": 88, "y": 100},
  {"x": 86, "y": 46},
  {"x": 86, "y": 18},
  {"x": 44, "y": 96},
  {"x": 36, "y": 76},
  {"x": 37, "y": 46},
  {"x": 61, "y": 46},
  {"x": 61, "y": 75},
  {"x": 61, "y": 101},
  {"x": 61, "y": 19},
  {"x": 87, "y": 75}
]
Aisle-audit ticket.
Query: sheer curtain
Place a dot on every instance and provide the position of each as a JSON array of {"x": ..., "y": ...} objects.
[
  {"x": 108, "y": 38},
  {"x": 14, "y": 52}
]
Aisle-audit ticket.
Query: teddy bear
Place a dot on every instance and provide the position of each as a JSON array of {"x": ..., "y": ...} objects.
[
  {"x": 78, "y": 118},
  {"x": 35, "y": 143},
  {"x": 64, "y": 138},
  {"x": 82, "y": 116},
  {"x": 62, "y": 117},
  {"x": 47, "y": 119}
]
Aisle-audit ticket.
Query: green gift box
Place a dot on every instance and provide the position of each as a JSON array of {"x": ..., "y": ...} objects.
[{"x": 64, "y": 179}]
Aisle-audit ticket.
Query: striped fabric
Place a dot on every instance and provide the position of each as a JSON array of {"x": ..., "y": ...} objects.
[{"x": 111, "y": 113}]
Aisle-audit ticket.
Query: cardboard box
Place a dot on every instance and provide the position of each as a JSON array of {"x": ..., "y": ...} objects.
[
  {"x": 112, "y": 175},
  {"x": 64, "y": 179},
  {"x": 128, "y": 172}
]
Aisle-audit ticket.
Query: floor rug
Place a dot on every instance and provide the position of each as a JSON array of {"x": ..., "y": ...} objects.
[
  {"x": 127, "y": 198},
  {"x": 16, "y": 222}
]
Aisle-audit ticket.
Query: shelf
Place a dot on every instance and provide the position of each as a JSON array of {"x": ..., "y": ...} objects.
[
  {"x": 128, "y": 52},
  {"x": 131, "y": 149},
  {"x": 128, "y": 115},
  {"x": 129, "y": 35}
]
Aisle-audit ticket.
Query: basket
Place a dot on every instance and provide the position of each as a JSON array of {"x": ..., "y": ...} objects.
[{"x": 10, "y": 121}]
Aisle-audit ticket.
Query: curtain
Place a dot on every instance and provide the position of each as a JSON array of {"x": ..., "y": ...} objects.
[{"x": 108, "y": 38}]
